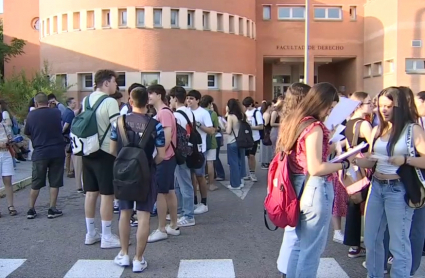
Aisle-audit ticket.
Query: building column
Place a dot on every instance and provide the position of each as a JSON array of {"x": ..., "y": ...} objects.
[{"x": 310, "y": 70}]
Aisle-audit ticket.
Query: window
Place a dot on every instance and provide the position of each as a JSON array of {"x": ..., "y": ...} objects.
[
  {"x": 417, "y": 43},
  {"x": 87, "y": 80},
  {"x": 174, "y": 18},
  {"x": 121, "y": 79},
  {"x": 48, "y": 26},
  {"x": 248, "y": 28},
  {"x": 157, "y": 18},
  {"x": 328, "y": 13},
  {"x": 286, "y": 13},
  {"x": 353, "y": 13},
  {"x": 183, "y": 80},
  {"x": 36, "y": 24},
  {"x": 212, "y": 81},
  {"x": 123, "y": 17},
  {"x": 220, "y": 22},
  {"x": 377, "y": 69},
  {"x": 240, "y": 26},
  {"x": 140, "y": 18},
  {"x": 191, "y": 19},
  {"x": 150, "y": 79},
  {"x": 61, "y": 80},
  {"x": 206, "y": 20},
  {"x": 415, "y": 65},
  {"x": 106, "y": 18},
  {"x": 236, "y": 81},
  {"x": 389, "y": 66},
  {"x": 267, "y": 12},
  {"x": 251, "y": 83},
  {"x": 64, "y": 22},
  {"x": 231, "y": 24},
  {"x": 90, "y": 20},
  {"x": 367, "y": 70},
  {"x": 55, "y": 24},
  {"x": 281, "y": 79},
  {"x": 76, "y": 20}
]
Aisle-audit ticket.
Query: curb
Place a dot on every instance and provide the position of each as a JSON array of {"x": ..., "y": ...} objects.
[{"x": 19, "y": 185}]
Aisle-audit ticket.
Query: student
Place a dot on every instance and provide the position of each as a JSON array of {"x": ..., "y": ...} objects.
[{"x": 136, "y": 122}]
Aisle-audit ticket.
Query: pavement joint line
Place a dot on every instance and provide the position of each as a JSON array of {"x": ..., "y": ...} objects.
[{"x": 18, "y": 185}]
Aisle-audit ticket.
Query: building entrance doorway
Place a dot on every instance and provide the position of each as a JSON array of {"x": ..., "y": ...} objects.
[{"x": 279, "y": 89}]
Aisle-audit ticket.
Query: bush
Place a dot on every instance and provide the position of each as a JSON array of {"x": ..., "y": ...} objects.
[{"x": 18, "y": 90}]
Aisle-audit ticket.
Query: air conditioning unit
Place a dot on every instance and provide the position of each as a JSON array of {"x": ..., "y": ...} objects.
[{"x": 417, "y": 43}]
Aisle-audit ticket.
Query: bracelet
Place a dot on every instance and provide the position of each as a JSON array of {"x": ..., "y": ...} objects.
[{"x": 345, "y": 164}]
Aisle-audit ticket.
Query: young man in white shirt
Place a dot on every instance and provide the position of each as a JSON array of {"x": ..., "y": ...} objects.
[
  {"x": 183, "y": 182},
  {"x": 98, "y": 169},
  {"x": 204, "y": 126},
  {"x": 255, "y": 119}
]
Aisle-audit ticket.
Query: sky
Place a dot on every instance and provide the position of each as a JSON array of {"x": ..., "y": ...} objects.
[{"x": 1, "y": 6}]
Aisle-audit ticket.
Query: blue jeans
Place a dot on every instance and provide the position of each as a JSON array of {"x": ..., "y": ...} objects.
[
  {"x": 218, "y": 166},
  {"x": 236, "y": 160},
  {"x": 386, "y": 206},
  {"x": 313, "y": 225},
  {"x": 184, "y": 191},
  {"x": 417, "y": 239}
]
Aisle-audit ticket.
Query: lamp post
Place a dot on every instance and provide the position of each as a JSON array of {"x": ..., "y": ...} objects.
[{"x": 306, "y": 41}]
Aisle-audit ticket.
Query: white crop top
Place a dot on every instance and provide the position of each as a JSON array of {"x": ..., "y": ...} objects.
[{"x": 400, "y": 148}]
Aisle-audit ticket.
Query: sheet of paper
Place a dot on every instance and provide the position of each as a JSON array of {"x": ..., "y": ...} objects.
[
  {"x": 341, "y": 111},
  {"x": 337, "y": 136},
  {"x": 351, "y": 152}
]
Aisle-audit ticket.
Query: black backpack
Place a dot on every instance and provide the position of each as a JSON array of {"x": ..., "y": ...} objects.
[
  {"x": 244, "y": 139},
  {"x": 196, "y": 159},
  {"x": 132, "y": 168}
]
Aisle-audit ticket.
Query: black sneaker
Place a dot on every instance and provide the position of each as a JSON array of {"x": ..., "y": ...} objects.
[
  {"x": 116, "y": 209},
  {"x": 133, "y": 221},
  {"x": 80, "y": 190},
  {"x": 53, "y": 213},
  {"x": 31, "y": 214}
]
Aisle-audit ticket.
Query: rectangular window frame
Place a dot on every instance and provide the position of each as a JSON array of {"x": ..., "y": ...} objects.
[
  {"x": 146, "y": 74},
  {"x": 121, "y": 78},
  {"x": 232, "y": 24},
  {"x": 415, "y": 69},
  {"x": 291, "y": 13},
  {"x": 140, "y": 18},
  {"x": 353, "y": 13},
  {"x": 85, "y": 79},
  {"x": 367, "y": 71},
  {"x": 214, "y": 81},
  {"x": 377, "y": 69},
  {"x": 156, "y": 12},
  {"x": 327, "y": 8},
  {"x": 220, "y": 22},
  {"x": 174, "y": 17},
  {"x": 189, "y": 79},
  {"x": 206, "y": 21},
  {"x": 63, "y": 78},
  {"x": 191, "y": 19},
  {"x": 236, "y": 82},
  {"x": 123, "y": 18},
  {"x": 267, "y": 12}
]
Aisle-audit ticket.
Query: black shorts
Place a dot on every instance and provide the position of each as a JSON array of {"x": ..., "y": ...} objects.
[
  {"x": 52, "y": 168},
  {"x": 98, "y": 173},
  {"x": 253, "y": 150},
  {"x": 165, "y": 175}
]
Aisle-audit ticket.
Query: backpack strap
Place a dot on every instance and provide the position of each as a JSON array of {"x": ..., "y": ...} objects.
[
  {"x": 122, "y": 130},
  {"x": 150, "y": 127},
  {"x": 96, "y": 104},
  {"x": 186, "y": 118},
  {"x": 356, "y": 134}
]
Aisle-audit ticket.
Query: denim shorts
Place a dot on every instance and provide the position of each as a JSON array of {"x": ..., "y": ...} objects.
[{"x": 201, "y": 171}]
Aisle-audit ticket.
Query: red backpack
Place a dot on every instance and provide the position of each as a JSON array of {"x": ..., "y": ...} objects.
[{"x": 282, "y": 205}]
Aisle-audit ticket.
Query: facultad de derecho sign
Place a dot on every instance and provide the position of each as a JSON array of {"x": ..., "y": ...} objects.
[{"x": 310, "y": 47}]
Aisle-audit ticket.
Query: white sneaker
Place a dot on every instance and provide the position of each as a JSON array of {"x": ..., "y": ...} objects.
[
  {"x": 172, "y": 231},
  {"x": 92, "y": 239},
  {"x": 364, "y": 265},
  {"x": 112, "y": 242},
  {"x": 157, "y": 235},
  {"x": 122, "y": 260},
  {"x": 139, "y": 266},
  {"x": 338, "y": 237},
  {"x": 168, "y": 217},
  {"x": 200, "y": 209},
  {"x": 234, "y": 188},
  {"x": 253, "y": 177},
  {"x": 185, "y": 222}
]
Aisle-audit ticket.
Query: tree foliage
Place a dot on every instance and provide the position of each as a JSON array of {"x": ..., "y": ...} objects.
[
  {"x": 9, "y": 51},
  {"x": 19, "y": 89}
]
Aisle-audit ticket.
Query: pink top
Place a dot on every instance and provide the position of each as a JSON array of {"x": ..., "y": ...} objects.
[
  {"x": 166, "y": 118},
  {"x": 297, "y": 158}
]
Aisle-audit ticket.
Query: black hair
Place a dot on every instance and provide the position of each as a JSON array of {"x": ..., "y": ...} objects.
[
  {"x": 248, "y": 102},
  {"x": 236, "y": 109},
  {"x": 102, "y": 76},
  {"x": 179, "y": 93},
  {"x": 50, "y": 97},
  {"x": 41, "y": 98},
  {"x": 159, "y": 90},
  {"x": 69, "y": 100},
  {"x": 194, "y": 93},
  {"x": 140, "y": 97},
  {"x": 421, "y": 95},
  {"x": 206, "y": 101}
]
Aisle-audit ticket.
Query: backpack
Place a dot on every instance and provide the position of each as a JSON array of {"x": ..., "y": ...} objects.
[
  {"x": 244, "y": 139},
  {"x": 195, "y": 160},
  {"x": 84, "y": 132},
  {"x": 182, "y": 148},
  {"x": 282, "y": 205},
  {"x": 210, "y": 137},
  {"x": 132, "y": 169},
  {"x": 256, "y": 123},
  {"x": 15, "y": 126}
]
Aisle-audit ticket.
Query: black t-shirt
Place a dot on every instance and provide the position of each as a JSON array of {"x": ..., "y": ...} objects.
[{"x": 44, "y": 126}]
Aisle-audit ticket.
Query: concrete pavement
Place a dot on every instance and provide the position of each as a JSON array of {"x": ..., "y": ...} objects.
[{"x": 228, "y": 241}]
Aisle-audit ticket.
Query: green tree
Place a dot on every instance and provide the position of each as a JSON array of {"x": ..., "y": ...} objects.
[
  {"x": 19, "y": 89},
  {"x": 9, "y": 51}
]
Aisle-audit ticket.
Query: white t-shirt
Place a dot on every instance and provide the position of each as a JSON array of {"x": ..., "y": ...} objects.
[
  {"x": 124, "y": 110},
  {"x": 203, "y": 116},
  {"x": 254, "y": 122}
]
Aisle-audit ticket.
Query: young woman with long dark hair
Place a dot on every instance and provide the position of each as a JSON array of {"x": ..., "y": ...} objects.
[
  {"x": 386, "y": 204},
  {"x": 310, "y": 175},
  {"x": 235, "y": 155},
  {"x": 218, "y": 166},
  {"x": 266, "y": 150}
]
